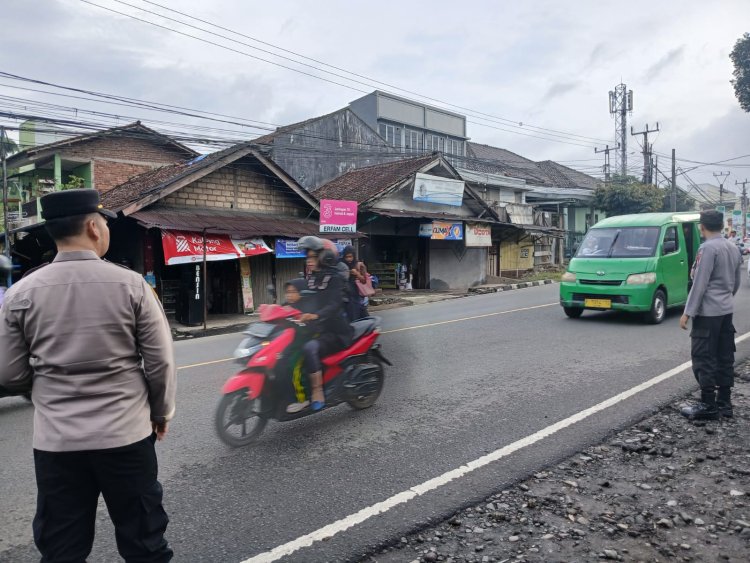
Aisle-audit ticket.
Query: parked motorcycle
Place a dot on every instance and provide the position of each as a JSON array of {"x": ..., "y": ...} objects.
[{"x": 271, "y": 356}]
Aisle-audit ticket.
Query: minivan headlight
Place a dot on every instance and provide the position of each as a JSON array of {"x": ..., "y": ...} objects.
[
  {"x": 641, "y": 279},
  {"x": 568, "y": 277}
]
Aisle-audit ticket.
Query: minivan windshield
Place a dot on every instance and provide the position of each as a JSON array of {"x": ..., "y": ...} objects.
[{"x": 622, "y": 242}]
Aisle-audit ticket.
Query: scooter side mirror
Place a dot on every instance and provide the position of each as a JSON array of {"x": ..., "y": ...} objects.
[{"x": 271, "y": 290}]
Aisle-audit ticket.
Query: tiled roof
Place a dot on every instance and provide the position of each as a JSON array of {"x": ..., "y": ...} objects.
[
  {"x": 564, "y": 177},
  {"x": 486, "y": 158},
  {"x": 365, "y": 183}
]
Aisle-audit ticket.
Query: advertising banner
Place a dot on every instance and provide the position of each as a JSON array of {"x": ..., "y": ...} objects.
[
  {"x": 247, "y": 287},
  {"x": 183, "y": 247},
  {"x": 434, "y": 189},
  {"x": 478, "y": 235},
  {"x": 737, "y": 219},
  {"x": 338, "y": 216},
  {"x": 442, "y": 230}
]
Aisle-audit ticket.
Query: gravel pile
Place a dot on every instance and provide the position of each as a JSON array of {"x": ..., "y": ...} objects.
[{"x": 663, "y": 490}]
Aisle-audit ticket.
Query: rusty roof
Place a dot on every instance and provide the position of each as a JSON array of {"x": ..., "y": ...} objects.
[
  {"x": 365, "y": 183},
  {"x": 237, "y": 223}
]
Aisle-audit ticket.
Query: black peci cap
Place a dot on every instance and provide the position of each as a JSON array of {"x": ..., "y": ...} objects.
[{"x": 67, "y": 203}]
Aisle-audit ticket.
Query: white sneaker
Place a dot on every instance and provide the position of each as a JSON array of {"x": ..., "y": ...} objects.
[{"x": 294, "y": 408}]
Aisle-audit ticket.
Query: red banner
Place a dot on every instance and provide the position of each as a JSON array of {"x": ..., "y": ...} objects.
[{"x": 182, "y": 247}]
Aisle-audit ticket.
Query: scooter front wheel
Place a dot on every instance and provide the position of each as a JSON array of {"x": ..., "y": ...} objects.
[{"x": 237, "y": 422}]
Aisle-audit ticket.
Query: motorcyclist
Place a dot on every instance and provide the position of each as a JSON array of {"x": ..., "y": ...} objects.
[{"x": 333, "y": 331}]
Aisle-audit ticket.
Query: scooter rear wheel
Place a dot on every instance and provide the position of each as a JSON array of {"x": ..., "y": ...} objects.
[
  {"x": 366, "y": 401},
  {"x": 236, "y": 422}
]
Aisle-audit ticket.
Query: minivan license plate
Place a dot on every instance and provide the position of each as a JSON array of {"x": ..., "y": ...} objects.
[{"x": 598, "y": 303}]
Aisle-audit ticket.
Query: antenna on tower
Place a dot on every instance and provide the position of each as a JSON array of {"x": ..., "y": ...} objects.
[{"x": 620, "y": 104}]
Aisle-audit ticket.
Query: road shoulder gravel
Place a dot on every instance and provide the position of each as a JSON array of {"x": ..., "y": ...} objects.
[{"x": 664, "y": 489}]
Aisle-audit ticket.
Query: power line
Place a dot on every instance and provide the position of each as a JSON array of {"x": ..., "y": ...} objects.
[{"x": 472, "y": 113}]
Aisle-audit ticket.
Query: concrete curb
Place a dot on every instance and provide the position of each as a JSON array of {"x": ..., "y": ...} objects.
[{"x": 509, "y": 287}]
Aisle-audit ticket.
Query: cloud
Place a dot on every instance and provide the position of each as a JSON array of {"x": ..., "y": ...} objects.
[
  {"x": 671, "y": 58},
  {"x": 559, "y": 89}
]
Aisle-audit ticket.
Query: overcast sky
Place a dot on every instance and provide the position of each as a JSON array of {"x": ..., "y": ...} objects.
[{"x": 549, "y": 64}]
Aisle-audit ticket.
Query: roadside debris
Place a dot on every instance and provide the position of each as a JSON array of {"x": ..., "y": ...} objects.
[{"x": 662, "y": 490}]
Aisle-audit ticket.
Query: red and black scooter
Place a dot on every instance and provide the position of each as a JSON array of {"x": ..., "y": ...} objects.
[{"x": 272, "y": 374}]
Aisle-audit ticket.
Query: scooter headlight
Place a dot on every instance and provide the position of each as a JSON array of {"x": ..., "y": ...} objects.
[{"x": 248, "y": 348}]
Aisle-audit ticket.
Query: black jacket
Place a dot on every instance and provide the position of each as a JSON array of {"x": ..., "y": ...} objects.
[{"x": 329, "y": 287}]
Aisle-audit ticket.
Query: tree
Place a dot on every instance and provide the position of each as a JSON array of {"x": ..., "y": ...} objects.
[
  {"x": 73, "y": 183},
  {"x": 8, "y": 144},
  {"x": 684, "y": 202},
  {"x": 627, "y": 195},
  {"x": 740, "y": 56}
]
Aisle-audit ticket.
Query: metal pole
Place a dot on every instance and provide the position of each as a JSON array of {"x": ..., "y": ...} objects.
[
  {"x": 5, "y": 199},
  {"x": 674, "y": 182},
  {"x": 205, "y": 283}
]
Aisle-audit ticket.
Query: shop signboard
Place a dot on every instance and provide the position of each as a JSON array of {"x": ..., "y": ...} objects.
[
  {"x": 747, "y": 222},
  {"x": 184, "y": 247},
  {"x": 425, "y": 230},
  {"x": 478, "y": 235},
  {"x": 444, "y": 230},
  {"x": 338, "y": 216},
  {"x": 287, "y": 248},
  {"x": 435, "y": 189}
]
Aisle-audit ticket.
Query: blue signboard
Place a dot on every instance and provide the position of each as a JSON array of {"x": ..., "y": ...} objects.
[{"x": 287, "y": 248}]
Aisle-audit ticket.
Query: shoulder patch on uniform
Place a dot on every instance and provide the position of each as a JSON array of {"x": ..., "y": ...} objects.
[{"x": 20, "y": 305}]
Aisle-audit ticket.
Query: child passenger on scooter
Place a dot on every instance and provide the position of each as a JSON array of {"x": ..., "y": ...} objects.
[{"x": 298, "y": 296}]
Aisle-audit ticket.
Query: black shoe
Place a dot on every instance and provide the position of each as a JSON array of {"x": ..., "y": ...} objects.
[
  {"x": 724, "y": 402},
  {"x": 725, "y": 409},
  {"x": 700, "y": 411}
]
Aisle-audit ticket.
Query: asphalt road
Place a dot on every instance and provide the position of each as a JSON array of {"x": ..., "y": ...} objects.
[{"x": 471, "y": 375}]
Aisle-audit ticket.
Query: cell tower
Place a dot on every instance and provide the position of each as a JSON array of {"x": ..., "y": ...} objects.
[{"x": 620, "y": 103}]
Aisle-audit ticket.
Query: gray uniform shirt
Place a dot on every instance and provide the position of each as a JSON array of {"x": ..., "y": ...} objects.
[
  {"x": 94, "y": 341},
  {"x": 717, "y": 274}
]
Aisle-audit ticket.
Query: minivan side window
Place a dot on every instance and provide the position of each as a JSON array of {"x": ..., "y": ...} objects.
[{"x": 671, "y": 241}]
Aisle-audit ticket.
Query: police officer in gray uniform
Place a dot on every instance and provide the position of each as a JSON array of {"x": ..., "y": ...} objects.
[
  {"x": 90, "y": 341},
  {"x": 716, "y": 274}
]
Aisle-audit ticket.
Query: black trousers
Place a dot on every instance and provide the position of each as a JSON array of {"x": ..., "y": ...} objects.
[
  {"x": 712, "y": 351},
  {"x": 69, "y": 484}
]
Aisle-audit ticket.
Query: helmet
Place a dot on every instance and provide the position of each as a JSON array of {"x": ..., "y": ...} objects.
[
  {"x": 328, "y": 253},
  {"x": 6, "y": 266}
]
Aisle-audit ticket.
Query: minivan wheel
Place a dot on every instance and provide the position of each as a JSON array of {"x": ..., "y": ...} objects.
[
  {"x": 658, "y": 308},
  {"x": 573, "y": 312}
]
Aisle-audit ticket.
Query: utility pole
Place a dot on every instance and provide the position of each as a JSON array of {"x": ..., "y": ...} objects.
[
  {"x": 4, "y": 158},
  {"x": 647, "y": 179},
  {"x": 620, "y": 103},
  {"x": 606, "y": 168},
  {"x": 744, "y": 205},
  {"x": 721, "y": 184},
  {"x": 674, "y": 182}
]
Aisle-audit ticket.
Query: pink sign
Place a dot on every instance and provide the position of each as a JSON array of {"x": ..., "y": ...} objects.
[{"x": 338, "y": 216}]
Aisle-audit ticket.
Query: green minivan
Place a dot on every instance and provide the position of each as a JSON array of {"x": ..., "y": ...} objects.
[{"x": 636, "y": 263}]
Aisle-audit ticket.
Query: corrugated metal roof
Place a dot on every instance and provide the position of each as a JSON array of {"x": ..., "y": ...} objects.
[
  {"x": 238, "y": 223},
  {"x": 425, "y": 215}
]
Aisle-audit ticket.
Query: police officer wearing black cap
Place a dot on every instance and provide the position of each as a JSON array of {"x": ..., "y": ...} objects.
[
  {"x": 717, "y": 275},
  {"x": 91, "y": 342}
]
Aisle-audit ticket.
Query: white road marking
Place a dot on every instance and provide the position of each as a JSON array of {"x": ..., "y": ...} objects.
[
  {"x": 462, "y": 319},
  {"x": 418, "y": 490}
]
